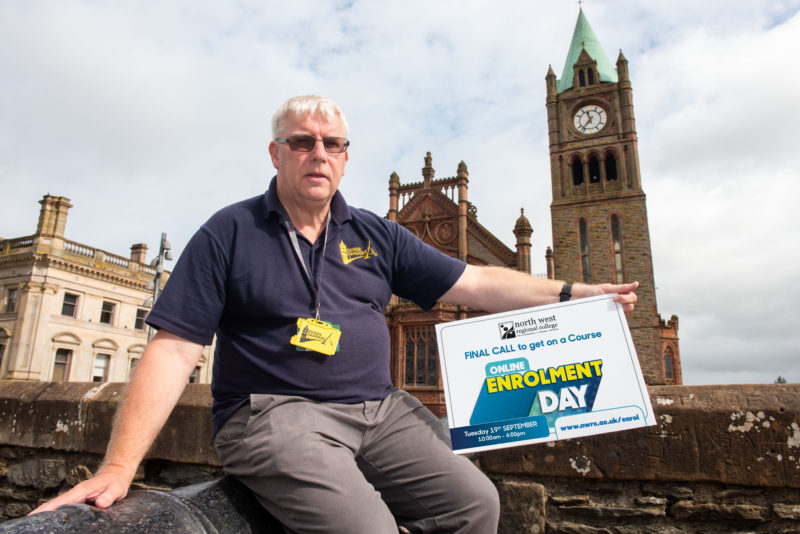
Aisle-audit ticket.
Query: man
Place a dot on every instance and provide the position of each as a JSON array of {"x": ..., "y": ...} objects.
[{"x": 304, "y": 411}]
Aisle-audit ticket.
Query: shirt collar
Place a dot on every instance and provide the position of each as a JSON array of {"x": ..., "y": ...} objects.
[{"x": 340, "y": 211}]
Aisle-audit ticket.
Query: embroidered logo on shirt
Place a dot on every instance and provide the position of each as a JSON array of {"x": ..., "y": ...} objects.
[{"x": 350, "y": 254}]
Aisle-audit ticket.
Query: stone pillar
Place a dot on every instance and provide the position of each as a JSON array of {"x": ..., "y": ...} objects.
[
  {"x": 394, "y": 185},
  {"x": 427, "y": 172},
  {"x": 53, "y": 215},
  {"x": 523, "y": 232},
  {"x": 31, "y": 310},
  {"x": 52, "y": 222},
  {"x": 462, "y": 182},
  {"x": 625, "y": 95}
]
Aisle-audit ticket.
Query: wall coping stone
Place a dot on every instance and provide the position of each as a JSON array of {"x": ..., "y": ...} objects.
[
  {"x": 736, "y": 434},
  {"x": 77, "y": 416},
  {"x": 733, "y": 434}
]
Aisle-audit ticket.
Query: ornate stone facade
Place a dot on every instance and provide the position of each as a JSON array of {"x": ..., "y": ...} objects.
[
  {"x": 70, "y": 312},
  {"x": 439, "y": 213}
]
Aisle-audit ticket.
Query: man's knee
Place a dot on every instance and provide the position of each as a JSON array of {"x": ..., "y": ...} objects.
[
  {"x": 474, "y": 504},
  {"x": 486, "y": 501},
  {"x": 492, "y": 500}
]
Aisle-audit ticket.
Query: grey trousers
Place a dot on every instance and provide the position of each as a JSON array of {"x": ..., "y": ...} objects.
[{"x": 355, "y": 468}]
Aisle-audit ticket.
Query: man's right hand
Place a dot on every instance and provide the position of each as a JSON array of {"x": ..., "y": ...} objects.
[
  {"x": 104, "y": 489},
  {"x": 154, "y": 390}
]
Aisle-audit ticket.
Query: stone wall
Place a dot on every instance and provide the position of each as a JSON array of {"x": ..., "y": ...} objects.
[
  {"x": 53, "y": 435},
  {"x": 721, "y": 459},
  {"x": 643, "y": 321}
]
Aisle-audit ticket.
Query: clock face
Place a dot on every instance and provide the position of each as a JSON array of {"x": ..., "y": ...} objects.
[{"x": 589, "y": 119}]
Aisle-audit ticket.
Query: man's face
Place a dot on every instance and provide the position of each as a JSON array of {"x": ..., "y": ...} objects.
[{"x": 308, "y": 179}]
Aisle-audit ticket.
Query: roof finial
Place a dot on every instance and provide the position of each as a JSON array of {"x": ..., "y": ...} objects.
[{"x": 580, "y": 5}]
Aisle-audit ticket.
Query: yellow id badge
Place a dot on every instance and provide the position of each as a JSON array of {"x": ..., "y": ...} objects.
[{"x": 319, "y": 336}]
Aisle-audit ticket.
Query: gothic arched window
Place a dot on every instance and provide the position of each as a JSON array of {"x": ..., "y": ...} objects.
[
  {"x": 581, "y": 78},
  {"x": 421, "y": 356},
  {"x": 586, "y": 274},
  {"x": 577, "y": 171},
  {"x": 616, "y": 244},
  {"x": 590, "y": 75},
  {"x": 669, "y": 364}
]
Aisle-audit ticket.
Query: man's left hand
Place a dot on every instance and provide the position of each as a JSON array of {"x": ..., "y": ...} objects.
[{"x": 625, "y": 293}]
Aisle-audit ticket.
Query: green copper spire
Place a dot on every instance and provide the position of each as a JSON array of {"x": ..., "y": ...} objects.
[{"x": 584, "y": 38}]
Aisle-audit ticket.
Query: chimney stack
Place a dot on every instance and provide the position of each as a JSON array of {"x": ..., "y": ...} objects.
[
  {"x": 53, "y": 216},
  {"x": 139, "y": 253}
]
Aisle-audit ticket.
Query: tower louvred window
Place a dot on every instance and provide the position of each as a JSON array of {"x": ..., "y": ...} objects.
[
  {"x": 611, "y": 167},
  {"x": 594, "y": 170},
  {"x": 577, "y": 171}
]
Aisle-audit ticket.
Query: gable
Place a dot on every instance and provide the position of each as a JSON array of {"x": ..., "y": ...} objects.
[{"x": 433, "y": 217}]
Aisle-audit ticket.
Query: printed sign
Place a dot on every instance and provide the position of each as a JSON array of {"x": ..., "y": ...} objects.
[{"x": 541, "y": 374}]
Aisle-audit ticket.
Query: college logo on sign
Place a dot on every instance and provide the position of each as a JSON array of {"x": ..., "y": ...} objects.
[
  {"x": 528, "y": 327},
  {"x": 350, "y": 254},
  {"x": 507, "y": 330}
]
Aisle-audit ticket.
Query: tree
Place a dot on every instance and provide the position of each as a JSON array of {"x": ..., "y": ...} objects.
[{"x": 780, "y": 380}]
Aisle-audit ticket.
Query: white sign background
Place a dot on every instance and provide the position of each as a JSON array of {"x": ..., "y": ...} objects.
[{"x": 561, "y": 334}]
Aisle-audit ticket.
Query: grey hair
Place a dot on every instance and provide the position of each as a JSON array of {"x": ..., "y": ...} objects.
[{"x": 303, "y": 105}]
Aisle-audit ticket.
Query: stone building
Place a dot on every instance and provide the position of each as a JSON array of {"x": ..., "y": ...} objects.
[
  {"x": 71, "y": 312},
  {"x": 599, "y": 218},
  {"x": 598, "y": 212},
  {"x": 440, "y": 213}
]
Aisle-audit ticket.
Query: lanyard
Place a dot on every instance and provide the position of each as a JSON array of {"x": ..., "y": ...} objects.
[{"x": 296, "y": 245}]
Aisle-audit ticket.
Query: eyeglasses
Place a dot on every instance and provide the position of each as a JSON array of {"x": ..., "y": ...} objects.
[{"x": 306, "y": 143}]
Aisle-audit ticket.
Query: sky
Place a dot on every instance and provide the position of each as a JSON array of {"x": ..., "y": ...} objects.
[{"x": 150, "y": 116}]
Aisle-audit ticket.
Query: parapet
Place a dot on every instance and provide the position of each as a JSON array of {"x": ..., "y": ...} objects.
[
  {"x": 721, "y": 458},
  {"x": 745, "y": 434},
  {"x": 77, "y": 416}
]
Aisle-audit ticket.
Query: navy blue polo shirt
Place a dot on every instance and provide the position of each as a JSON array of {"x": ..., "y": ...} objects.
[{"x": 240, "y": 278}]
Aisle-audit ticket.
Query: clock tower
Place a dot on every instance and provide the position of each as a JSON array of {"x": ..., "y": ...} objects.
[{"x": 599, "y": 213}]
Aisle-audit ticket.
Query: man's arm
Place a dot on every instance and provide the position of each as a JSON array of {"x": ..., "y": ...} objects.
[
  {"x": 497, "y": 289},
  {"x": 155, "y": 388}
]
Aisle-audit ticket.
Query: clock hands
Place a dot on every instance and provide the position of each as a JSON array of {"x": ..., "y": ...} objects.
[{"x": 589, "y": 119}]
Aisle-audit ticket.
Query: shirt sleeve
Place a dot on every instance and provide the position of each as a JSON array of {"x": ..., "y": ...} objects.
[
  {"x": 421, "y": 273},
  {"x": 191, "y": 304}
]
